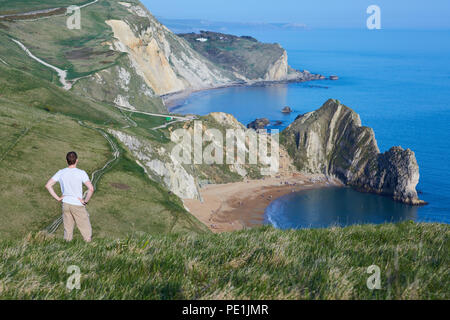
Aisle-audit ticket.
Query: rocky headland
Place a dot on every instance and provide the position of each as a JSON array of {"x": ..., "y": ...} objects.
[
  {"x": 332, "y": 141},
  {"x": 246, "y": 58}
]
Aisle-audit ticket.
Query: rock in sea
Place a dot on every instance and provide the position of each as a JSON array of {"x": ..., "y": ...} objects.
[
  {"x": 258, "y": 124},
  {"x": 286, "y": 110}
]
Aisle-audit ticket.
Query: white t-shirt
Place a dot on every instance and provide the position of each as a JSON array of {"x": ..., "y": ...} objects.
[{"x": 71, "y": 181}]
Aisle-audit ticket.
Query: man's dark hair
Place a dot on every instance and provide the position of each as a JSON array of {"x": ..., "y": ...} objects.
[{"x": 71, "y": 158}]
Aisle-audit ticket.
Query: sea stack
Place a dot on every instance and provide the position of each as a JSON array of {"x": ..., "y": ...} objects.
[
  {"x": 332, "y": 141},
  {"x": 286, "y": 110}
]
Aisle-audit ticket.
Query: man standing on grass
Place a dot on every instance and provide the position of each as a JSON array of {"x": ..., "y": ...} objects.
[{"x": 74, "y": 211}]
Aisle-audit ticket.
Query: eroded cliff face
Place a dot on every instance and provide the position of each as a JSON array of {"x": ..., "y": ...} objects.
[
  {"x": 394, "y": 172},
  {"x": 160, "y": 166},
  {"x": 279, "y": 70},
  {"x": 123, "y": 85},
  {"x": 332, "y": 141},
  {"x": 214, "y": 129},
  {"x": 167, "y": 63}
]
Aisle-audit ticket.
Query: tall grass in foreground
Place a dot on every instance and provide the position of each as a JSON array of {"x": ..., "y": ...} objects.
[{"x": 262, "y": 263}]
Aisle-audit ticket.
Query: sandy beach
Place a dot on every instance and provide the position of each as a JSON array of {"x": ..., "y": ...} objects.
[{"x": 240, "y": 205}]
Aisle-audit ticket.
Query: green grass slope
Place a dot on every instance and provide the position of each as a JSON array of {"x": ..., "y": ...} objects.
[
  {"x": 19, "y": 6},
  {"x": 23, "y": 88},
  {"x": 262, "y": 263},
  {"x": 81, "y": 52},
  {"x": 33, "y": 147},
  {"x": 39, "y": 124}
]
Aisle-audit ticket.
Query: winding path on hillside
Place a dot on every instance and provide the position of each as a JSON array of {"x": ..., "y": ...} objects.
[
  {"x": 32, "y": 13},
  {"x": 187, "y": 118},
  {"x": 170, "y": 123},
  {"x": 61, "y": 73},
  {"x": 67, "y": 85},
  {"x": 96, "y": 175},
  {"x": 22, "y": 134}
]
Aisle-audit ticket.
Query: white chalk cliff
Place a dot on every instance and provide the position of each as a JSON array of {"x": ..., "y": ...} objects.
[{"x": 167, "y": 63}]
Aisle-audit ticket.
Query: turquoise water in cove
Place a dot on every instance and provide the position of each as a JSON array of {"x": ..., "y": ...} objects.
[{"x": 399, "y": 83}]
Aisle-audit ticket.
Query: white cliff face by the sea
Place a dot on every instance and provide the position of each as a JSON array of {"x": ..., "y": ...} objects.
[
  {"x": 167, "y": 63},
  {"x": 279, "y": 70},
  {"x": 269, "y": 166},
  {"x": 247, "y": 59}
]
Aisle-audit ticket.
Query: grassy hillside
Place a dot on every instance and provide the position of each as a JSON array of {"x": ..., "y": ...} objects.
[
  {"x": 18, "y": 6},
  {"x": 33, "y": 147},
  {"x": 35, "y": 135},
  {"x": 262, "y": 263},
  {"x": 27, "y": 90},
  {"x": 39, "y": 123},
  {"x": 81, "y": 52},
  {"x": 244, "y": 55}
]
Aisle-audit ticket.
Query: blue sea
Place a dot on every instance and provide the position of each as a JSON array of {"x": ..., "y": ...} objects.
[{"x": 399, "y": 83}]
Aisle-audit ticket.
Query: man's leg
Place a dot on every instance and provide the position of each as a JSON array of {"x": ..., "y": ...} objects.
[
  {"x": 69, "y": 222},
  {"x": 83, "y": 223}
]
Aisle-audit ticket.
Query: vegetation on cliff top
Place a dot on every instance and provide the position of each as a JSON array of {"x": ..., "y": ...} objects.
[{"x": 244, "y": 55}]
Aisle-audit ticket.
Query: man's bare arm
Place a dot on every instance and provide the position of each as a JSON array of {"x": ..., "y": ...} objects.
[
  {"x": 89, "y": 193},
  {"x": 49, "y": 187}
]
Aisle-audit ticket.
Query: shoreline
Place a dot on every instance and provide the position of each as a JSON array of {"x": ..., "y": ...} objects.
[
  {"x": 241, "y": 205},
  {"x": 174, "y": 100}
]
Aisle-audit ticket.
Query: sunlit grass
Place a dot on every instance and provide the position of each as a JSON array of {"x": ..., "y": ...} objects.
[{"x": 262, "y": 263}]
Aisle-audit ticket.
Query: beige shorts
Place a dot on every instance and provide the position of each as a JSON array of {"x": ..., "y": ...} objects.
[{"x": 76, "y": 215}]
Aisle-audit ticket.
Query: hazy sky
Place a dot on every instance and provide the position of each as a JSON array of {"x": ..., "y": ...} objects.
[{"x": 315, "y": 13}]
